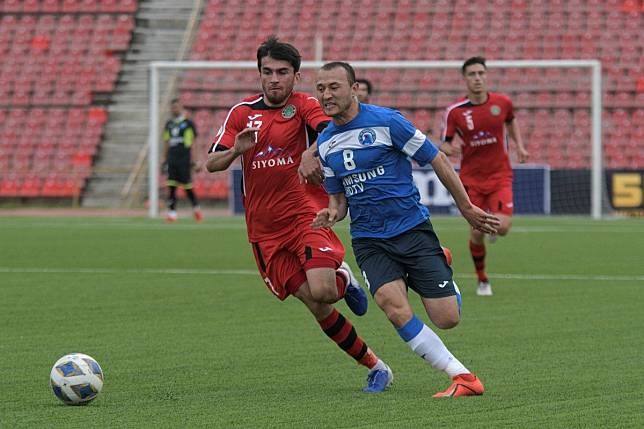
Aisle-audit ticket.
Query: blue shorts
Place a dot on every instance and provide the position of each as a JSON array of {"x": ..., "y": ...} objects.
[{"x": 415, "y": 256}]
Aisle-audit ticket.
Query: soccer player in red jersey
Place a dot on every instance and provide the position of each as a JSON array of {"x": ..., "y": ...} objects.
[
  {"x": 481, "y": 120},
  {"x": 270, "y": 131}
]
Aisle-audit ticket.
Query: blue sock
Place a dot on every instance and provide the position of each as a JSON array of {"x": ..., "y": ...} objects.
[
  {"x": 426, "y": 344},
  {"x": 411, "y": 329}
]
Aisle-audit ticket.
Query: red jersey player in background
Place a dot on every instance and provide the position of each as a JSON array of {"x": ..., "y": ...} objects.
[
  {"x": 270, "y": 131},
  {"x": 481, "y": 120}
]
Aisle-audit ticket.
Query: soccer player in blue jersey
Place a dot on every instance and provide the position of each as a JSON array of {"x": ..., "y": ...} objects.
[{"x": 365, "y": 154}]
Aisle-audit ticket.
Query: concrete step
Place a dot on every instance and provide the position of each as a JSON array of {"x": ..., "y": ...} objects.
[
  {"x": 137, "y": 115},
  {"x": 117, "y": 146},
  {"x": 177, "y": 34},
  {"x": 129, "y": 66},
  {"x": 159, "y": 32},
  {"x": 124, "y": 129},
  {"x": 138, "y": 98},
  {"x": 95, "y": 201},
  {"x": 113, "y": 159},
  {"x": 135, "y": 79},
  {"x": 148, "y": 56}
]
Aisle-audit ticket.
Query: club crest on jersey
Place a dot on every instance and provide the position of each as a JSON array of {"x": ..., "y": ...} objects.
[
  {"x": 367, "y": 137},
  {"x": 495, "y": 110},
  {"x": 288, "y": 111}
]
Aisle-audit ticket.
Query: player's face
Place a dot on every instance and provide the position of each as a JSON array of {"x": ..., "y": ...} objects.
[
  {"x": 176, "y": 109},
  {"x": 362, "y": 93},
  {"x": 278, "y": 79},
  {"x": 334, "y": 92},
  {"x": 476, "y": 78}
]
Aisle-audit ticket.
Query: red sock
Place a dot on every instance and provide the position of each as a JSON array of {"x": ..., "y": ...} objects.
[
  {"x": 341, "y": 331},
  {"x": 478, "y": 256}
]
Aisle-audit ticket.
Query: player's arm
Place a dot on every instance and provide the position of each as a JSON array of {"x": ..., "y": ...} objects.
[
  {"x": 336, "y": 211},
  {"x": 448, "y": 145},
  {"x": 476, "y": 217},
  {"x": 310, "y": 170},
  {"x": 220, "y": 160},
  {"x": 515, "y": 134},
  {"x": 450, "y": 148},
  {"x": 338, "y": 206}
]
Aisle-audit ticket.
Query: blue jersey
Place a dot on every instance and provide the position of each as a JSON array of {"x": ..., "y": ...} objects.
[{"x": 368, "y": 160}]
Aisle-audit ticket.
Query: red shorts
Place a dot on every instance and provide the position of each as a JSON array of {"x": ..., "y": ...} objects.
[
  {"x": 497, "y": 200},
  {"x": 283, "y": 261}
]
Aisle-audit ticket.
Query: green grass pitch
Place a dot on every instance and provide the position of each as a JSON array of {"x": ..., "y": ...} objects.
[{"x": 188, "y": 336}]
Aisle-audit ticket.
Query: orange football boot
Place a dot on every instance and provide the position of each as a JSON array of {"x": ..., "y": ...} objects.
[
  {"x": 462, "y": 385},
  {"x": 198, "y": 215}
]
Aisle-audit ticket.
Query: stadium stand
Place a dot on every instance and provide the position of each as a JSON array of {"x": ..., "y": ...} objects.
[
  {"x": 56, "y": 56},
  {"x": 554, "y": 112}
]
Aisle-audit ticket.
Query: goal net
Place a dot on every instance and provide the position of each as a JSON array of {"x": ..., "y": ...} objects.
[{"x": 557, "y": 103}]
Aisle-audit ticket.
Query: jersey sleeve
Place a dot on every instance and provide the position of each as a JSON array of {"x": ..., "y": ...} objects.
[
  {"x": 188, "y": 137},
  {"x": 448, "y": 126},
  {"x": 332, "y": 184},
  {"x": 313, "y": 114},
  {"x": 410, "y": 141},
  {"x": 225, "y": 138}
]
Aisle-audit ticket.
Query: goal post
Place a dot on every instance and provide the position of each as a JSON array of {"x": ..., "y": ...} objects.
[{"x": 596, "y": 184}]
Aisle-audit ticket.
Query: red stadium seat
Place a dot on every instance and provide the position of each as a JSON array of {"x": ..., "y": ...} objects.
[
  {"x": 50, "y": 6},
  {"x": 12, "y": 6},
  {"x": 108, "y": 6},
  {"x": 631, "y": 6},
  {"x": 71, "y": 6},
  {"x": 31, "y": 6},
  {"x": 90, "y": 6},
  {"x": 30, "y": 187},
  {"x": 9, "y": 185},
  {"x": 128, "y": 6}
]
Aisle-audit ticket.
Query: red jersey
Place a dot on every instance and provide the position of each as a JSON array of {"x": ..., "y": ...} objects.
[
  {"x": 273, "y": 197},
  {"x": 485, "y": 161}
]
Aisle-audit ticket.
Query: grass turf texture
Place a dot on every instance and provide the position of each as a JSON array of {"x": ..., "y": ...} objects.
[{"x": 188, "y": 335}]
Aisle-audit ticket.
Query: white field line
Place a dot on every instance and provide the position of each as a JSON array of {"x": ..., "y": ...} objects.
[
  {"x": 120, "y": 226},
  {"x": 231, "y": 224},
  {"x": 242, "y": 272}
]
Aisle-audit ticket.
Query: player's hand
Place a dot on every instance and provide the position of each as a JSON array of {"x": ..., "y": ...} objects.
[
  {"x": 245, "y": 139},
  {"x": 325, "y": 218},
  {"x": 310, "y": 169},
  {"x": 481, "y": 220},
  {"x": 450, "y": 149},
  {"x": 522, "y": 155}
]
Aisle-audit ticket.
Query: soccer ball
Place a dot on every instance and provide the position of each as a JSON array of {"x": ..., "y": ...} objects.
[{"x": 76, "y": 379}]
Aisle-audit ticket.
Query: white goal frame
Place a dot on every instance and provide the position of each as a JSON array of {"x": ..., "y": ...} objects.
[{"x": 596, "y": 107}]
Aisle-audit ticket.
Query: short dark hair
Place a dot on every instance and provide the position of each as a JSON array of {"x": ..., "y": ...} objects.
[
  {"x": 473, "y": 60},
  {"x": 175, "y": 100},
  {"x": 351, "y": 73},
  {"x": 273, "y": 48},
  {"x": 367, "y": 83}
]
